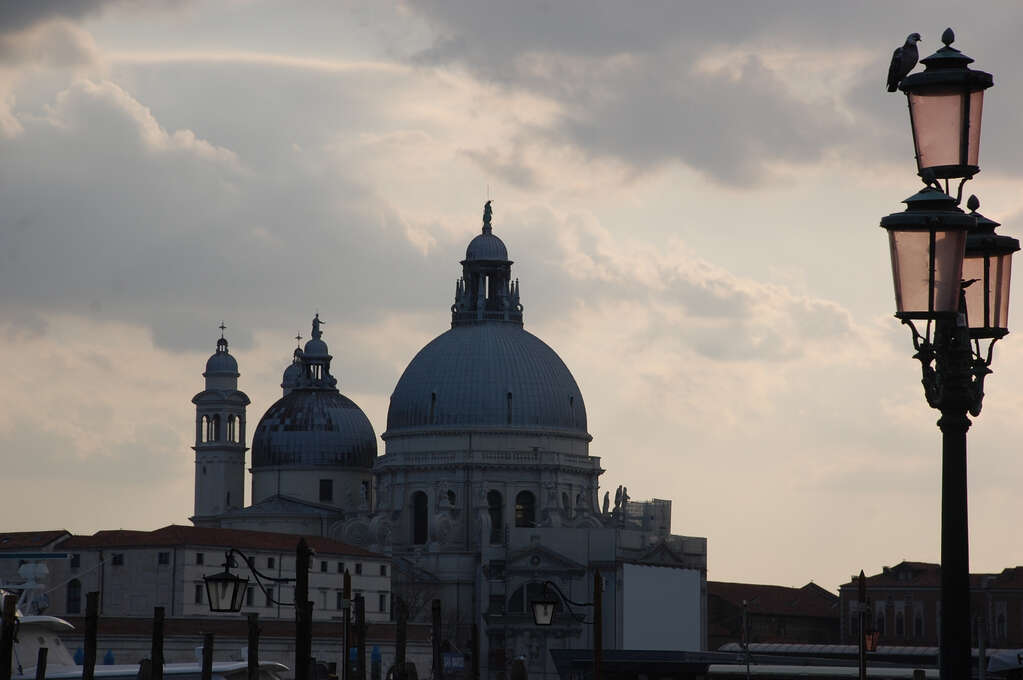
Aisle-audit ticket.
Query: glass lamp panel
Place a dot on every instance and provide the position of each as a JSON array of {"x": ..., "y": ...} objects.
[
  {"x": 543, "y": 612},
  {"x": 1000, "y": 273},
  {"x": 978, "y": 310},
  {"x": 911, "y": 270},
  {"x": 937, "y": 126},
  {"x": 976, "y": 110}
]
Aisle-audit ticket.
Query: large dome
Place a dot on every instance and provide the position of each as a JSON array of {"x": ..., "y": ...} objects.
[
  {"x": 314, "y": 427},
  {"x": 487, "y": 375}
]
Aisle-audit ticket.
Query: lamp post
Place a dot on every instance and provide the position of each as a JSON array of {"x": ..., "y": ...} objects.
[
  {"x": 934, "y": 247},
  {"x": 544, "y": 610},
  {"x": 226, "y": 592}
]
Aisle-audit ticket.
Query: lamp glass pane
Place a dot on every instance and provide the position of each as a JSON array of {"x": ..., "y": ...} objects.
[
  {"x": 976, "y": 110},
  {"x": 543, "y": 612},
  {"x": 937, "y": 126},
  {"x": 990, "y": 311},
  {"x": 911, "y": 272}
]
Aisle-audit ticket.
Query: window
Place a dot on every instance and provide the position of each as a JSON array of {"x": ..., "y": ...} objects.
[
  {"x": 381, "y": 602},
  {"x": 918, "y": 625},
  {"x": 420, "y": 521},
  {"x": 200, "y": 558},
  {"x": 327, "y": 490},
  {"x": 495, "y": 506},
  {"x": 496, "y": 604},
  {"x": 521, "y": 599},
  {"x": 270, "y": 563},
  {"x": 879, "y": 627},
  {"x": 250, "y": 596},
  {"x": 900, "y": 625},
  {"x": 340, "y": 567},
  {"x": 76, "y": 561},
  {"x": 383, "y": 570},
  {"x": 340, "y": 599},
  {"x": 269, "y": 597},
  {"x": 163, "y": 558},
  {"x": 117, "y": 559},
  {"x": 358, "y": 568},
  {"x": 525, "y": 509},
  {"x": 74, "y": 596},
  {"x": 198, "y": 593},
  {"x": 323, "y": 567}
]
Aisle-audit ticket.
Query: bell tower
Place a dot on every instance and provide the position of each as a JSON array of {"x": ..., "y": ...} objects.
[{"x": 219, "y": 438}]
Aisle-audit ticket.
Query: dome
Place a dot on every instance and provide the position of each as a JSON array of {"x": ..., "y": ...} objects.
[
  {"x": 314, "y": 427},
  {"x": 221, "y": 362},
  {"x": 316, "y": 348},
  {"x": 487, "y": 375},
  {"x": 486, "y": 246}
]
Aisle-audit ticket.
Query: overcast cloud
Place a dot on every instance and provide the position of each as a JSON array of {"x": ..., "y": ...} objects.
[{"x": 690, "y": 193}]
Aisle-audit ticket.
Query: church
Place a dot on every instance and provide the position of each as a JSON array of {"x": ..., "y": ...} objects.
[{"x": 484, "y": 492}]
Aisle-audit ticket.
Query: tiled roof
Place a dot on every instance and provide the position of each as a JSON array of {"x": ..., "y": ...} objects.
[
  {"x": 810, "y": 600},
  {"x": 177, "y": 535},
  {"x": 30, "y": 539}
]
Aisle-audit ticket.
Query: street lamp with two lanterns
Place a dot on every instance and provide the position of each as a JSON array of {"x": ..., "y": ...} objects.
[{"x": 951, "y": 274}]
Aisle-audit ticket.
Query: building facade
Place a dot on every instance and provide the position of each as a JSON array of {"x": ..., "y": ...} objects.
[
  {"x": 905, "y": 606},
  {"x": 486, "y": 487},
  {"x": 806, "y": 615}
]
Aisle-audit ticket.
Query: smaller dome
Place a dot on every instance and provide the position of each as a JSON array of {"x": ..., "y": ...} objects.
[
  {"x": 221, "y": 363},
  {"x": 316, "y": 348},
  {"x": 292, "y": 373},
  {"x": 486, "y": 246}
]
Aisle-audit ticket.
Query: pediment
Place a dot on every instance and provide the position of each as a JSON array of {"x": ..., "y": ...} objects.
[
  {"x": 539, "y": 558},
  {"x": 661, "y": 555}
]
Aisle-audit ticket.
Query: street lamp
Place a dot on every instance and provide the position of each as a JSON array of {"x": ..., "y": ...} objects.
[
  {"x": 951, "y": 273},
  {"x": 544, "y": 609},
  {"x": 226, "y": 591}
]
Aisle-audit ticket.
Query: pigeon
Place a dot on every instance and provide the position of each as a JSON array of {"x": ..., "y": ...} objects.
[{"x": 903, "y": 61}]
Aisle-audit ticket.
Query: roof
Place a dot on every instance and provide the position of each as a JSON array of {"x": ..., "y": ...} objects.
[
  {"x": 908, "y": 574},
  {"x": 314, "y": 427},
  {"x": 487, "y": 375},
  {"x": 177, "y": 535},
  {"x": 12, "y": 540},
  {"x": 284, "y": 505},
  {"x": 810, "y": 600}
]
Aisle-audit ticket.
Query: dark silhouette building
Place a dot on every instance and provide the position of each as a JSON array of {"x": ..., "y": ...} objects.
[{"x": 774, "y": 613}]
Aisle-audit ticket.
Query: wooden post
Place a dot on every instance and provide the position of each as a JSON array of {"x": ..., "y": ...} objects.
[
  {"x": 91, "y": 626},
  {"x": 9, "y": 621},
  {"x": 156, "y": 650},
  {"x": 475, "y": 652},
  {"x": 41, "y": 663},
  {"x": 346, "y": 594},
  {"x": 598, "y": 623},
  {"x": 401, "y": 614},
  {"x": 360, "y": 637},
  {"x": 253, "y": 659},
  {"x": 145, "y": 670},
  {"x": 303, "y": 612},
  {"x": 438, "y": 662},
  {"x": 207, "y": 656}
]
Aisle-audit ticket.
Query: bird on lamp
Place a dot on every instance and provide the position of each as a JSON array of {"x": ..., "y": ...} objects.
[{"x": 903, "y": 60}]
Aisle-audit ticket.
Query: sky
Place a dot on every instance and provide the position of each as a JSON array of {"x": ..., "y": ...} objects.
[{"x": 690, "y": 192}]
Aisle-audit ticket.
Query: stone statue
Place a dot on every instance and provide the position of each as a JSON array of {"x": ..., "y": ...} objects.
[
  {"x": 316, "y": 326},
  {"x": 488, "y": 213},
  {"x": 607, "y": 501},
  {"x": 618, "y": 497},
  {"x": 625, "y": 497}
]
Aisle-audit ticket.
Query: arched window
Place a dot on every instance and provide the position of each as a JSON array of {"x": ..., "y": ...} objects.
[
  {"x": 495, "y": 505},
  {"x": 509, "y": 408},
  {"x": 900, "y": 626},
  {"x": 232, "y": 432},
  {"x": 451, "y": 498},
  {"x": 215, "y": 435},
  {"x": 74, "y": 596},
  {"x": 918, "y": 625},
  {"x": 522, "y": 598},
  {"x": 525, "y": 509},
  {"x": 420, "y": 521},
  {"x": 880, "y": 623},
  {"x": 206, "y": 429}
]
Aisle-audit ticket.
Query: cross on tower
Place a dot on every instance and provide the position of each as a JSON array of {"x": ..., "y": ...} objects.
[
  {"x": 298, "y": 339},
  {"x": 222, "y": 327}
]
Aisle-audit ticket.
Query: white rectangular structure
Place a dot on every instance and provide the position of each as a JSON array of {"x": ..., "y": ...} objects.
[{"x": 661, "y": 608}]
